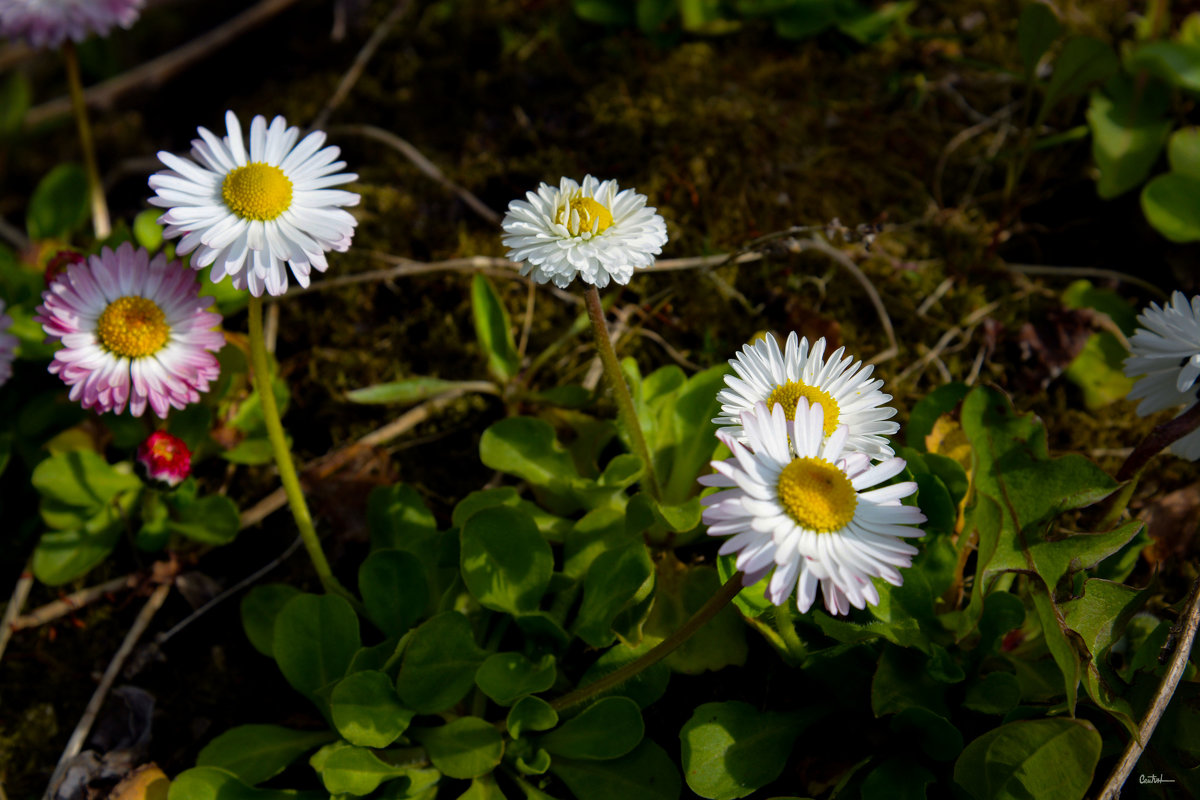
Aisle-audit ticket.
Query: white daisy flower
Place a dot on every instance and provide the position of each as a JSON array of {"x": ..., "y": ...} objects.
[
  {"x": 796, "y": 502},
  {"x": 8, "y": 345},
  {"x": 1165, "y": 352},
  {"x": 48, "y": 23},
  {"x": 134, "y": 331},
  {"x": 841, "y": 385},
  {"x": 591, "y": 230},
  {"x": 250, "y": 214}
]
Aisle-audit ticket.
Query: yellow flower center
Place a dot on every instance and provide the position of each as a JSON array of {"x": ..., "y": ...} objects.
[
  {"x": 257, "y": 191},
  {"x": 582, "y": 214},
  {"x": 789, "y": 395},
  {"x": 817, "y": 495},
  {"x": 132, "y": 327}
]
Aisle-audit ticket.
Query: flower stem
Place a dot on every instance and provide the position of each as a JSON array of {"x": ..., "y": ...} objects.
[
  {"x": 625, "y": 410},
  {"x": 100, "y": 221},
  {"x": 724, "y": 595},
  {"x": 1158, "y": 440},
  {"x": 283, "y": 455}
]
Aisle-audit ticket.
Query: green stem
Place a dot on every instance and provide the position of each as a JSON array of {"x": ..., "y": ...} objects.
[
  {"x": 100, "y": 221},
  {"x": 786, "y": 627},
  {"x": 620, "y": 389},
  {"x": 1117, "y": 505},
  {"x": 283, "y": 455},
  {"x": 660, "y": 651}
]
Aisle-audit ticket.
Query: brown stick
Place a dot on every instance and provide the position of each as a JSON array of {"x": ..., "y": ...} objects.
[
  {"x": 15, "y": 603},
  {"x": 1158, "y": 440},
  {"x": 72, "y": 602},
  {"x": 360, "y": 62}
]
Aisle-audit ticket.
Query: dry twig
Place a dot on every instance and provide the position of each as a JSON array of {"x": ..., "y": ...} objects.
[
  {"x": 15, "y": 603},
  {"x": 72, "y": 602}
]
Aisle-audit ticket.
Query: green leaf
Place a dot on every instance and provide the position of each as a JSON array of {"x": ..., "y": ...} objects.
[
  {"x": 653, "y": 15},
  {"x": 937, "y": 737},
  {"x": 465, "y": 748},
  {"x": 146, "y": 230},
  {"x": 316, "y": 636},
  {"x": 1054, "y": 559},
  {"x": 482, "y": 788},
  {"x": 81, "y": 479},
  {"x": 1183, "y": 153},
  {"x": 211, "y": 783},
  {"x": 1051, "y": 759},
  {"x": 505, "y": 562},
  {"x": 606, "y": 729},
  {"x": 605, "y": 12},
  {"x": 731, "y": 749},
  {"x": 64, "y": 555},
  {"x": 1177, "y": 63},
  {"x": 1171, "y": 203},
  {"x": 902, "y": 681},
  {"x": 356, "y": 771},
  {"x": 1126, "y": 140},
  {"x": 553, "y": 528},
  {"x": 255, "y": 753},
  {"x": 644, "y": 688},
  {"x": 409, "y": 391},
  {"x": 994, "y": 693},
  {"x": 647, "y": 773},
  {"x": 693, "y": 434},
  {"x": 366, "y": 710},
  {"x": 925, "y": 413},
  {"x": 14, "y": 102},
  {"x": 1097, "y": 371},
  {"x": 439, "y": 664},
  {"x": 211, "y": 520},
  {"x": 260, "y": 608},
  {"x": 1084, "y": 61},
  {"x": 394, "y": 590},
  {"x": 530, "y": 714},
  {"x": 681, "y": 591},
  {"x": 1037, "y": 29},
  {"x": 870, "y": 25},
  {"x": 59, "y": 204},
  {"x": 1059, "y": 643},
  {"x": 1100, "y": 616},
  {"x": 615, "y": 578},
  {"x": 506, "y": 677},
  {"x": 805, "y": 18},
  {"x": 493, "y": 330}
]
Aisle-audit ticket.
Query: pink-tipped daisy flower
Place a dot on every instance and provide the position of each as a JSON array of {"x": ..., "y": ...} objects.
[
  {"x": 49, "y": 23},
  {"x": 164, "y": 460},
  {"x": 134, "y": 331},
  {"x": 8, "y": 345},
  {"x": 798, "y": 506},
  {"x": 251, "y": 213}
]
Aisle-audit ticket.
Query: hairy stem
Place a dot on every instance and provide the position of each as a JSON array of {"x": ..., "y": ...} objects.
[{"x": 100, "y": 222}]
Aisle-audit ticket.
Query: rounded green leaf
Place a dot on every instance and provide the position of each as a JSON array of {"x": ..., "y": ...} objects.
[
  {"x": 897, "y": 779},
  {"x": 212, "y": 783},
  {"x": 505, "y": 677},
  {"x": 260, "y": 607},
  {"x": 647, "y": 773},
  {"x": 531, "y": 714},
  {"x": 366, "y": 710},
  {"x": 645, "y": 687},
  {"x": 212, "y": 520},
  {"x": 1183, "y": 151},
  {"x": 465, "y": 748},
  {"x": 81, "y": 479},
  {"x": 505, "y": 562},
  {"x": 394, "y": 589},
  {"x": 316, "y": 636},
  {"x": 64, "y": 555},
  {"x": 255, "y": 753},
  {"x": 59, "y": 203},
  {"x": 609, "y": 728},
  {"x": 147, "y": 231},
  {"x": 439, "y": 664},
  {"x": 1171, "y": 203},
  {"x": 994, "y": 693},
  {"x": 1037, "y": 28},
  {"x": 1051, "y": 759},
  {"x": 731, "y": 749},
  {"x": 356, "y": 770},
  {"x": 938, "y": 738},
  {"x": 614, "y": 579}
]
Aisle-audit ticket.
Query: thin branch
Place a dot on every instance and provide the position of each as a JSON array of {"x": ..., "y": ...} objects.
[
  {"x": 72, "y": 602},
  {"x": 360, "y": 62},
  {"x": 422, "y": 163},
  {"x": 13, "y": 235},
  {"x": 1087, "y": 272},
  {"x": 79, "y": 735},
  {"x": 1166, "y": 690},
  {"x": 1158, "y": 440},
  {"x": 15, "y": 604},
  {"x": 154, "y": 73}
]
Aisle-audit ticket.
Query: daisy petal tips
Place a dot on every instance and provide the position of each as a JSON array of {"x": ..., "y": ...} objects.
[
  {"x": 797, "y": 506},
  {"x": 841, "y": 384},
  {"x": 134, "y": 331},
  {"x": 592, "y": 230},
  {"x": 254, "y": 212},
  {"x": 1165, "y": 356},
  {"x": 49, "y": 23}
]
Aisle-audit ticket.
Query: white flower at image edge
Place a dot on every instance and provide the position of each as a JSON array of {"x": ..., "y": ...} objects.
[
  {"x": 1165, "y": 354},
  {"x": 591, "y": 230},
  {"x": 842, "y": 386},
  {"x": 253, "y": 213},
  {"x": 49, "y": 23},
  {"x": 795, "y": 503}
]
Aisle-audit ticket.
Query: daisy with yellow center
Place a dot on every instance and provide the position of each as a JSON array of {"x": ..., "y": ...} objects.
[
  {"x": 797, "y": 505},
  {"x": 134, "y": 332},
  {"x": 840, "y": 384},
  {"x": 254, "y": 213},
  {"x": 590, "y": 229}
]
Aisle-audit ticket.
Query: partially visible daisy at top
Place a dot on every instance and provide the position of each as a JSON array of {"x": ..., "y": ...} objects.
[
  {"x": 49, "y": 23},
  {"x": 8, "y": 345},
  {"x": 842, "y": 386},
  {"x": 254, "y": 213},
  {"x": 797, "y": 506},
  {"x": 592, "y": 230},
  {"x": 1165, "y": 354},
  {"x": 134, "y": 331}
]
